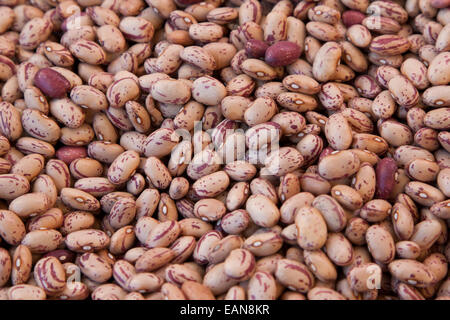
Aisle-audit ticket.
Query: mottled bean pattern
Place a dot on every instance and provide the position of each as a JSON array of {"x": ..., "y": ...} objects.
[{"x": 237, "y": 150}]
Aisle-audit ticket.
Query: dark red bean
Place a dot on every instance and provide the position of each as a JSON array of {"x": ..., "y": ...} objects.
[
  {"x": 282, "y": 53},
  {"x": 68, "y": 153},
  {"x": 352, "y": 17},
  {"x": 385, "y": 174},
  {"x": 52, "y": 83},
  {"x": 256, "y": 48}
]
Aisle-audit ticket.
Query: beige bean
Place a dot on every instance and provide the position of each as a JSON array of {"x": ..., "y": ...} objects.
[
  {"x": 440, "y": 209},
  {"x": 147, "y": 202},
  {"x": 262, "y": 211},
  {"x": 79, "y": 200},
  {"x": 412, "y": 272},
  {"x": 308, "y": 237},
  {"x": 123, "y": 167},
  {"x": 289, "y": 208},
  {"x": 73, "y": 137},
  {"x": 240, "y": 264},
  {"x": 122, "y": 213},
  {"x": 407, "y": 249},
  {"x": 283, "y": 161},
  {"x": 365, "y": 181},
  {"x": 235, "y": 222},
  {"x": 211, "y": 185},
  {"x": 217, "y": 280},
  {"x": 89, "y": 97},
  {"x": 261, "y": 286},
  {"x": 205, "y": 32},
  {"x": 59, "y": 173},
  {"x": 154, "y": 259},
  {"x": 326, "y": 61},
  {"x": 331, "y": 211},
  {"x": 346, "y": 160},
  {"x": 237, "y": 196},
  {"x": 224, "y": 247},
  {"x": 370, "y": 142},
  {"x": 422, "y": 170},
  {"x": 67, "y": 112},
  {"x": 136, "y": 29},
  {"x": 42, "y": 241},
  {"x": 87, "y": 240},
  {"x": 144, "y": 282},
  {"x": 321, "y": 293},
  {"x": 289, "y": 186},
  {"x": 338, "y": 132},
  {"x": 347, "y": 197},
  {"x": 375, "y": 210},
  {"x": 339, "y": 249},
  {"x": 31, "y": 204},
  {"x": 28, "y": 145},
  {"x": 437, "y": 119},
  {"x": 26, "y": 292},
  {"x": 108, "y": 292},
  {"x": 380, "y": 244},
  {"x": 29, "y": 166},
  {"x": 122, "y": 240},
  {"x": 395, "y": 133},
  {"x": 5, "y": 267},
  {"x": 88, "y": 52},
  {"x": 209, "y": 209},
  {"x": 172, "y": 292},
  {"x": 205, "y": 245},
  {"x": 240, "y": 170},
  {"x": 426, "y": 233},
  {"x": 11, "y": 126},
  {"x": 144, "y": 226},
  {"x": 294, "y": 275},
  {"x": 183, "y": 248},
  {"x": 365, "y": 277},
  {"x": 34, "y": 32},
  {"x": 196, "y": 291},
  {"x": 261, "y": 186},
  {"x": 122, "y": 90},
  {"x": 438, "y": 265},
  {"x": 122, "y": 272},
  {"x": 423, "y": 193},
  {"x": 49, "y": 275},
  {"x": 171, "y": 91},
  {"x": 95, "y": 267},
  {"x": 160, "y": 142},
  {"x": 259, "y": 111},
  {"x": 437, "y": 71},
  {"x": 208, "y": 90},
  {"x": 82, "y": 168},
  {"x": 320, "y": 265},
  {"x": 180, "y": 273},
  {"x": 405, "y": 154},
  {"x": 163, "y": 234},
  {"x": 21, "y": 265},
  {"x": 12, "y": 228},
  {"x": 13, "y": 186},
  {"x": 168, "y": 61},
  {"x": 264, "y": 243},
  {"x": 234, "y": 107}
]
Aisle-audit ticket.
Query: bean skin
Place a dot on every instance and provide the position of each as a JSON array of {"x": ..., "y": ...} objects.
[{"x": 224, "y": 150}]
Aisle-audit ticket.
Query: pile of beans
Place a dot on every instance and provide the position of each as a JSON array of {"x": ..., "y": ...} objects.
[{"x": 225, "y": 149}]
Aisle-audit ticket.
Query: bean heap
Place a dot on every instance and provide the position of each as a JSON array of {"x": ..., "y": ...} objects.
[{"x": 238, "y": 149}]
